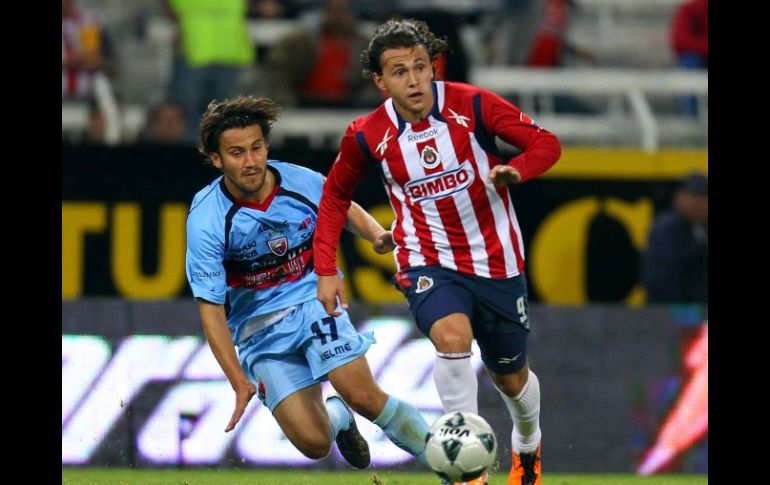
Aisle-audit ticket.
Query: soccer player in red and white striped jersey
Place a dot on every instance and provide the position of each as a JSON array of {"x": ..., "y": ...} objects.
[{"x": 459, "y": 248}]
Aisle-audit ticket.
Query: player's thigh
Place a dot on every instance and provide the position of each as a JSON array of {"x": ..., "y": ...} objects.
[
  {"x": 277, "y": 375},
  {"x": 331, "y": 342},
  {"x": 303, "y": 419},
  {"x": 501, "y": 326}
]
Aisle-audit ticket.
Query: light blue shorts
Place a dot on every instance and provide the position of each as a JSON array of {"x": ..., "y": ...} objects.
[{"x": 300, "y": 350}]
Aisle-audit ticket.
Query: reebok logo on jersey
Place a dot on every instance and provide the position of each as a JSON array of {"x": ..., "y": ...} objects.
[
  {"x": 384, "y": 143},
  {"x": 460, "y": 119},
  {"x": 423, "y": 135},
  {"x": 442, "y": 184},
  {"x": 424, "y": 283}
]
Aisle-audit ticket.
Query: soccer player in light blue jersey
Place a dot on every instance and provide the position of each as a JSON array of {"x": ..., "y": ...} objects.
[{"x": 250, "y": 266}]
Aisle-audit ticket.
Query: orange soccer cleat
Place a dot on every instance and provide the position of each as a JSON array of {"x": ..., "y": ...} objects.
[
  {"x": 525, "y": 469},
  {"x": 481, "y": 480}
]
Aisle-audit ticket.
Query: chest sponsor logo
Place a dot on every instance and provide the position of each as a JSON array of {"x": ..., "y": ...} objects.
[
  {"x": 430, "y": 157},
  {"x": 278, "y": 246},
  {"x": 442, "y": 184}
]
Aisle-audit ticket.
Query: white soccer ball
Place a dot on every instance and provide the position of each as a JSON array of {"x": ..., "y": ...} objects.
[{"x": 460, "y": 446}]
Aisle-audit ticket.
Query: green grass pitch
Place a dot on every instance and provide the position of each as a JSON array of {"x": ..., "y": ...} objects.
[{"x": 120, "y": 476}]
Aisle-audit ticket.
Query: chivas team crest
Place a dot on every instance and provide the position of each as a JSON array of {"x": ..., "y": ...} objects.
[
  {"x": 278, "y": 246},
  {"x": 424, "y": 283},
  {"x": 430, "y": 157}
]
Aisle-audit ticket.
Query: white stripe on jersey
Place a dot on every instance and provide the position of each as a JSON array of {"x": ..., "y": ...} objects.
[
  {"x": 429, "y": 209},
  {"x": 502, "y": 220},
  {"x": 464, "y": 204},
  {"x": 440, "y": 86},
  {"x": 391, "y": 111},
  {"x": 516, "y": 228},
  {"x": 410, "y": 233}
]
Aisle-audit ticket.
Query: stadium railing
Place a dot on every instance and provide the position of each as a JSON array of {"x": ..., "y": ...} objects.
[{"x": 625, "y": 114}]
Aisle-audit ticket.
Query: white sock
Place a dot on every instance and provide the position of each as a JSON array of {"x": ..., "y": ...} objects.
[
  {"x": 456, "y": 382},
  {"x": 525, "y": 412}
]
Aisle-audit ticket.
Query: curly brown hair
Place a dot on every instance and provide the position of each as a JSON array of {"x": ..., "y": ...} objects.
[
  {"x": 239, "y": 112},
  {"x": 396, "y": 33}
]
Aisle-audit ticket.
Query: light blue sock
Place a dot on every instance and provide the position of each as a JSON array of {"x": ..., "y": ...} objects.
[
  {"x": 405, "y": 427},
  {"x": 339, "y": 416}
]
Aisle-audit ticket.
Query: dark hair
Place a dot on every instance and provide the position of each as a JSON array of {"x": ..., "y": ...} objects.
[
  {"x": 240, "y": 112},
  {"x": 397, "y": 33}
]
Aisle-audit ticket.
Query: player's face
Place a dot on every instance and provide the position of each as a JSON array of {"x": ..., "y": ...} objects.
[
  {"x": 242, "y": 157},
  {"x": 406, "y": 76}
]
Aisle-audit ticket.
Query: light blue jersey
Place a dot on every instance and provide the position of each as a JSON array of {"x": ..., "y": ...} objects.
[{"x": 255, "y": 259}]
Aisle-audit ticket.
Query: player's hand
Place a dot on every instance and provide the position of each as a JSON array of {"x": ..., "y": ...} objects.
[
  {"x": 243, "y": 394},
  {"x": 329, "y": 288},
  {"x": 502, "y": 175},
  {"x": 384, "y": 243}
]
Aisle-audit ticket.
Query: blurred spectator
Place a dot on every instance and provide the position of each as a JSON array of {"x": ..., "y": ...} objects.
[
  {"x": 675, "y": 265},
  {"x": 166, "y": 123},
  {"x": 317, "y": 64},
  {"x": 213, "y": 50},
  {"x": 531, "y": 33},
  {"x": 85, "y": 50},
  {"x": 690, "y": 42},
  {"x": 550, "y": 42},
  {"x": 97, "y": 132}
]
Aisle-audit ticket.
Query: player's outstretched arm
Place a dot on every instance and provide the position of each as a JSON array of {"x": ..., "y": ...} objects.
[
  {"x": 363, "y": 224},
  {"x": 218, "y": 335}
]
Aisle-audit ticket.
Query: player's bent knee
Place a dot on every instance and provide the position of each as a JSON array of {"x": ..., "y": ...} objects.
[
  {"x": 511, "y": 389},
  {"x": 452, "y": 341},
  {"x": 511, "y": 384}
]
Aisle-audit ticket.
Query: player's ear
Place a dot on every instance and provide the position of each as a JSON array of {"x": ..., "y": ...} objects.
[
  {"x": 378, "y": 81},
  {"x": 216, "y": 160}
]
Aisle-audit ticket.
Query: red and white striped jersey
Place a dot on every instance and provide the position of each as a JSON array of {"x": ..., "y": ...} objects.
[{"x": 435, "y": 173}]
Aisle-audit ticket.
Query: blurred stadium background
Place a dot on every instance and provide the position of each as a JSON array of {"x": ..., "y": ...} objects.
[{"x": 624, "y": 382}]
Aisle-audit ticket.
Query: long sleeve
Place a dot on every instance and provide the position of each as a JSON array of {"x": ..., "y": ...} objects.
[
  {"x": 343, "y": 178},
  {"x": 540, "y": 149}
]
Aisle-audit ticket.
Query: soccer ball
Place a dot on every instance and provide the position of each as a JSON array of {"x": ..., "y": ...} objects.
[{"x": 460, "y": 446}]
